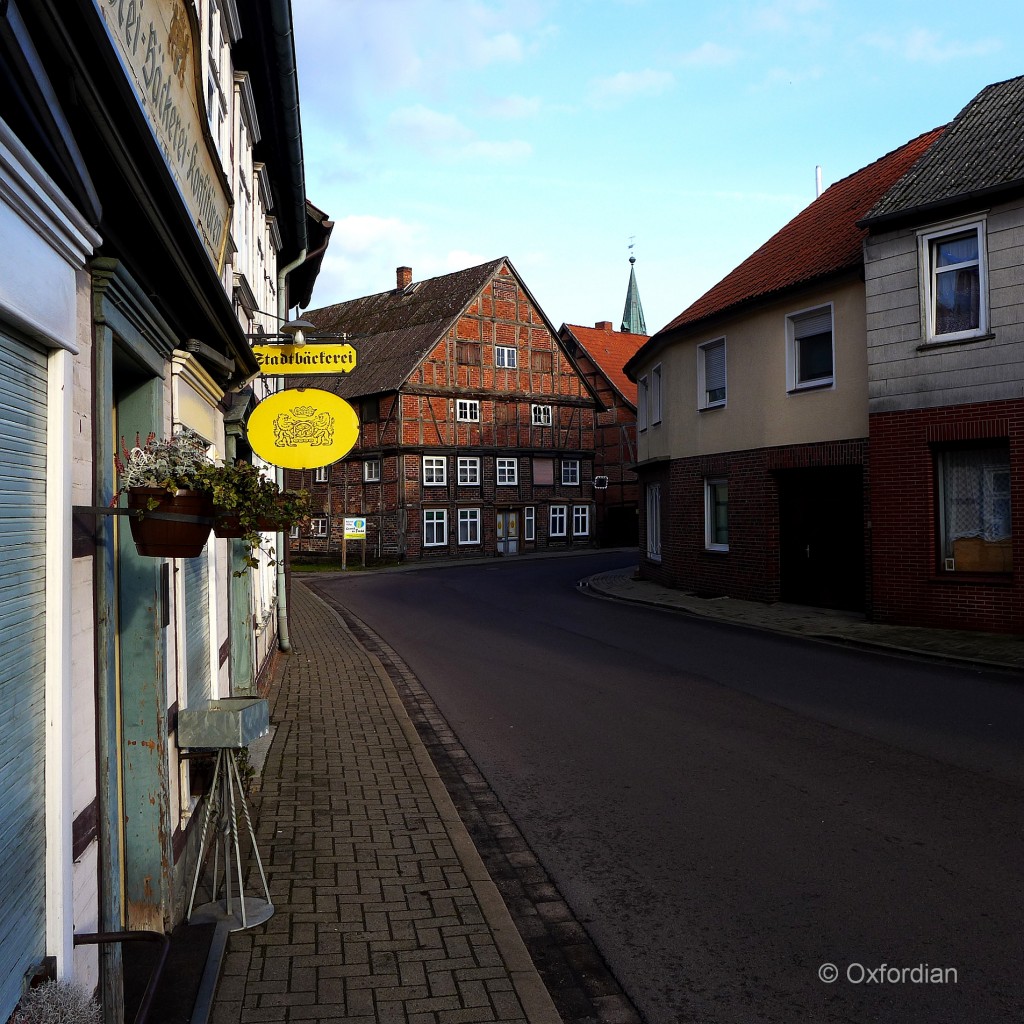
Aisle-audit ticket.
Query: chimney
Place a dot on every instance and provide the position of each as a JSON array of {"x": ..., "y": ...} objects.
[
  {"x": 604, "y": 325},
  {"x": 404, "y": 275}
]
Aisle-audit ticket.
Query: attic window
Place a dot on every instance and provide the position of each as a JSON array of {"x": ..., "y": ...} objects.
[
  {"x": 540, "y": 361},
  {"x": 468, "y": 353}
]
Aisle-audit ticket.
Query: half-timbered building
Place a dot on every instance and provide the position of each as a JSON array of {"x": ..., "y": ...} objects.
[
  {"x": 477, "y": 426},
  {"x": 601, "y": 353}
]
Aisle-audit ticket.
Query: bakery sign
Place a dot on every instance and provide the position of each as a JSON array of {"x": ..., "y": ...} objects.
[{"x": 157, "y": 43}]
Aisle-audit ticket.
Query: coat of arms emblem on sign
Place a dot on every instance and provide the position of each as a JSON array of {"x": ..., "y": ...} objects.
[{"x": 304, "y": 425}]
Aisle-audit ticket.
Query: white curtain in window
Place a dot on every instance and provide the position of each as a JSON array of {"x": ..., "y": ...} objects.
[{"x": 976, "y": 494}]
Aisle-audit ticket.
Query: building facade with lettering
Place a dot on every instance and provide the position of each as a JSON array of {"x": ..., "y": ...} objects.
[
  {"x": 476, "y": 424},
  {"x": 152, "y": 202}
]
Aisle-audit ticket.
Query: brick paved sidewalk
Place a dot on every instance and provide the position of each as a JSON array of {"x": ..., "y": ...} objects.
[{"x": 384, "y": 911}]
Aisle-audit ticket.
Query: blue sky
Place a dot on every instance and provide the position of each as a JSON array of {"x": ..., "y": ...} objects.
[{"x": 440, "y": 134}]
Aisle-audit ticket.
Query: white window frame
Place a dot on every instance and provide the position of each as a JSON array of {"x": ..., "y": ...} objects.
[
  {"x": 467, "y": 410},
  {"x": 437, "y": 520},
  {"x": 926, "y": 247},
  {"x": 654, "y": 522},
  {"x": 469, "y": 470},
  {"x": 794, "y": 383},
  {"x": 641, "y": 403},
  {"x": 705, "y": 385},
  {"x": 469, "y": 526},
  {"x": 581, "y": 520},
  {"x": 506, "y": 472},
  {"x": 293, "y": 531},
  {"x": 710, "y": 488},
  {"x": 655, "y": 395},
  {"x": 560, "y": 513},
  {"x": 540, "y": 415},
  {"x": 320, "y": 475},
  {"x": 435, "y": 470},
  {"x": 529, "y": 523},
  {"x": 318, "y": 526},
  {"x": 371, "y": 471},
  {"x": 506, "y": 357},
  {"x": 570, "y": 472}
]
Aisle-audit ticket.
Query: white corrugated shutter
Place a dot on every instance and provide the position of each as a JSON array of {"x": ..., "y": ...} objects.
[
  {"x": 197, "y": 628},
  {"x": 22, "y": 665}
]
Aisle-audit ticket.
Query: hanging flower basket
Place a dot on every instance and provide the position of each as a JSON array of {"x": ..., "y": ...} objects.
[
  {"x": 169, "y": 538},
  {"x": 228, "y": 525}
]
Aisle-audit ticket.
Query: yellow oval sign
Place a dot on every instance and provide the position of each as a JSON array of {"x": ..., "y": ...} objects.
[{"x": 303, "y": 428}]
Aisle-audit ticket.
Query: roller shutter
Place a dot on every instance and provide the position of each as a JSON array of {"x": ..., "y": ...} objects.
[
  {"x": 197, "y": 629},
  {"x": 22, "y": 664}
]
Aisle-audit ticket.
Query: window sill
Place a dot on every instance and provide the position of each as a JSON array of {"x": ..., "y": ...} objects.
[
  {"x": 940, "y": 342},
  {"x": 711, "y": 408},
  {"x": 823, "y": 385},
  {"x": 972, "y": 579},
  {"x": 716, "y": 551}
]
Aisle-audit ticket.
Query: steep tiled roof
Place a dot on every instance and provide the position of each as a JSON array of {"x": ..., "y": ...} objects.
[
  {"x": 392, "y": 331},
  {"x": 982, "y": 151},
  {"x": 610, "y": 350},
  {"x": 822, "y": 240}
]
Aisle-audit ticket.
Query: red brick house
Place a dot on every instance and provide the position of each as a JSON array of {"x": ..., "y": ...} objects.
[
  {"x": 944, "y": 270},
  {"x": 477, "y": 426},
  {"x": 753, "y": 415},
  {"x": 601, "y": 353}
]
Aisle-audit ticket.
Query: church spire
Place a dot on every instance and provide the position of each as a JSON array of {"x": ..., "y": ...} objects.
[{"x": 633, "y": 314}]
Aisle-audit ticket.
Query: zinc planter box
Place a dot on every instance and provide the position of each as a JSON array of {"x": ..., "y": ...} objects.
[{"x": 232, "y": 722}]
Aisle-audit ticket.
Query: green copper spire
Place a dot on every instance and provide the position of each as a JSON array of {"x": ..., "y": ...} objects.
[{"x": 633, "y": 314}]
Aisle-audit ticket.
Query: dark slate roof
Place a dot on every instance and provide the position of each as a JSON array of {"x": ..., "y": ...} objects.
[
  {"x": 822, "y": 240},
  {"x": 980, "y": 153},
  {"x": 393, "y": 331}
]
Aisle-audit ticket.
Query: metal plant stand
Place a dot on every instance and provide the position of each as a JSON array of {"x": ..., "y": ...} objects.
[
  {"x": 226, "y": 725},
  {"x": 225, "y": 802}
]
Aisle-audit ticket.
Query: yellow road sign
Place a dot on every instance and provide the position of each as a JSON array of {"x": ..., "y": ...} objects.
[
  {"x": 303, "y": 428},
  {"x": 284, "y": 360}
]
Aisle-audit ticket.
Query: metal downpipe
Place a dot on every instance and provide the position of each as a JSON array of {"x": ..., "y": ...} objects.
[{"x": 284, "y": 642}]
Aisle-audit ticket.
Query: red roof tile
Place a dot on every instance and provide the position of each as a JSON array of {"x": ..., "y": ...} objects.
[
  {"x": 819, "y": 241},
  {"x": 611, "y": 350}
]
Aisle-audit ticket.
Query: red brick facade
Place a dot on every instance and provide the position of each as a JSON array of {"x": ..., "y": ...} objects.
[
  {"x": 752, "y": 568},
  {"x": 601, "y": 352},
  {"x": 910, "y": 583}
]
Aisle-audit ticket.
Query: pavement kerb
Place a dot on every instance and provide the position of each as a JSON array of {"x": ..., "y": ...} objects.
[
  {"x": 688, "y": 605},
  {"x": 530, "y": 989}
]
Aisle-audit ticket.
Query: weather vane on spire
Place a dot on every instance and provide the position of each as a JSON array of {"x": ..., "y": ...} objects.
[{"x": 633, "y": 314}]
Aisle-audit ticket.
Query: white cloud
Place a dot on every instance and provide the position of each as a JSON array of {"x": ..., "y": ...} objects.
[
  {"x": 427, "y": 129},
  {"x": 502, "y": 48},
  {"x": 442, "y": 135},
  {"x": 709, "y": 55},
  {"x": 513, "y": 107},
  {"x": 629, "y": 84},
  {"x": 927, "y": 46},
  {"x": 514, "y": 149},
  {"x": 785, "y": 15}
]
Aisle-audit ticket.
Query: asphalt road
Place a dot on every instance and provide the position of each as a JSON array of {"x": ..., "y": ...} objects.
[{"x": 735, "y": 815}]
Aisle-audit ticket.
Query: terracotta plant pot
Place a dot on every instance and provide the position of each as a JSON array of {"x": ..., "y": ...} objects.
[{"x": 170, "y": 538}]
